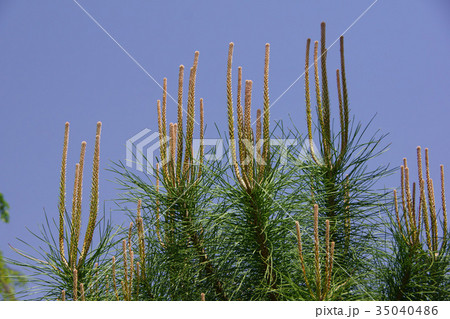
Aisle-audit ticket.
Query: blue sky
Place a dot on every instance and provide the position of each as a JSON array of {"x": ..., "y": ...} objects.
[{"x": 57, "y": 65}]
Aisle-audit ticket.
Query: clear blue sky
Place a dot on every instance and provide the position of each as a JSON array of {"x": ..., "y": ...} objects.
[{"x": 57, "y": 65}]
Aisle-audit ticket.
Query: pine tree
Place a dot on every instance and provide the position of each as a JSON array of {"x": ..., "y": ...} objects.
[{"x": 267, "y": 223}]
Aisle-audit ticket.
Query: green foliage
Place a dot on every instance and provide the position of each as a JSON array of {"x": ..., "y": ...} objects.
[
  {"x": 242, "y": 216},
  {"x": 347, "y": 197},
  {"x": 49, "y": 275},
  {"x": 337, "y": 176},
  {"x": 414, "y": 274},
  {"x": 4, "y": 207},
  {"x": 418, "y": 262},
  {"x": 9, "y": 279},
  {"x": 265, "y": 224}
]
